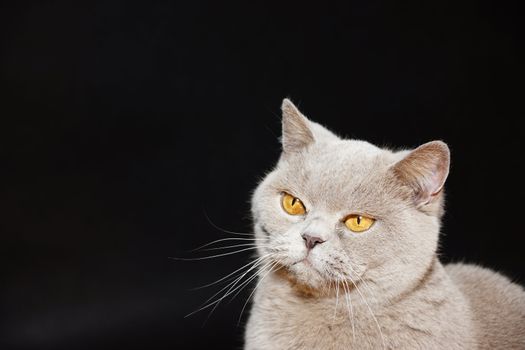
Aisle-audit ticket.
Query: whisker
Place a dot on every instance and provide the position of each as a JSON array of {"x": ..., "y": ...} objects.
[
  {"x": 251, "y": 278},
  {"x": 212, "y": 256},
  {"x": 223, "y": 230},
  {"x": 256, "y": 286},
  {"x": 369, "y": 309},
  {"x": 230, "y": 285},
  {"x": 230, "y": 274},
  {"x": 241, "y": 286},
  {"x": 227, "y": 239},
  {"x": 325, "y": 286},
  {"x": 364, "y": 284},
  {"x": 336, "y": 301},
  {"x": 349, "y": 300},
  {"x": 237, "y": 246}
]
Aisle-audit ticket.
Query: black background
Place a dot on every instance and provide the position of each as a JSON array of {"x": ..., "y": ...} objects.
[{"x": 124, "y": 123}]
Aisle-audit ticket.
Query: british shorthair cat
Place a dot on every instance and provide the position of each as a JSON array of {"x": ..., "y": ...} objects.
[{"x": 347, "y": 235}]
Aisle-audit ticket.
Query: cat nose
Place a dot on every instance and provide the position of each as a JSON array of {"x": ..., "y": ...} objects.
[{"x": 311, "y": 241}]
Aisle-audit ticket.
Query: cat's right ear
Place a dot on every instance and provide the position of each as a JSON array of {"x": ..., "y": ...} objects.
[{"x": 297, "y": 133}]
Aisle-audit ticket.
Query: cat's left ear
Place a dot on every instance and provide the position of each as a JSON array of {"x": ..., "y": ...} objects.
[{"x": 425, "y": 170}]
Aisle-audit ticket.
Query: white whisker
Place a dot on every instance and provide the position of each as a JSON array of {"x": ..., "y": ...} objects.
[
  {"x": 230, "y": 285},
  {"x": 349, "y": 300},
  {"x": 223, "y": 230},
  {"x": 212, "y": 256},
  {"x": 256, "y": 286},
  {"x": 226, "y": 239},
  {"x": 230, "y": 274},
  {"x": 239, "y": 287},
  {"x": 336, "y": 301},
  {"x": 236, "y": 246},
  {"x": 369, "y": 309}
]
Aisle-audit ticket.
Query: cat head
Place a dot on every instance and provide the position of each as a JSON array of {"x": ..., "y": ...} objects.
[{"x": 336, "y": 210}]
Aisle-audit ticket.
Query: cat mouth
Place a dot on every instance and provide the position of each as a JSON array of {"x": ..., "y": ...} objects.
[
  {"x": 308, "y": 280},
  {"x": 305, "y": 263},
  {"x": 303, "y": 260}
]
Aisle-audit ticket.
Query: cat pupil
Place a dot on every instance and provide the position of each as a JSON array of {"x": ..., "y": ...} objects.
[
  {"x": 359, "y": 220},
  {"x": 293, "y": 201}
]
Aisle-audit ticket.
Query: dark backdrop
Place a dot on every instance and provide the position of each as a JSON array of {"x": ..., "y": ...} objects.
[{"x": 124, "y": 123}]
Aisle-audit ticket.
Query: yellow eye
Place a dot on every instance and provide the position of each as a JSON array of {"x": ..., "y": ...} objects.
[
  {"x": 358, "y": 223},
  {"x": 292, "y": 205}
]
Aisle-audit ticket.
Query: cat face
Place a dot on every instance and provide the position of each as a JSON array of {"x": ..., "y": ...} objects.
[{"x": 320, "y": 181}]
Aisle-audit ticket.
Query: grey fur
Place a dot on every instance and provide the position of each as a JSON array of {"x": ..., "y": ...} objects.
[{"x": 383, "y": 288}]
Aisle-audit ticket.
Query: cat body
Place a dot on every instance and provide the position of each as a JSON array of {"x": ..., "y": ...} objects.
[
  {"x": 435, "y": 315},
  {"x": 326, "y": 283}
]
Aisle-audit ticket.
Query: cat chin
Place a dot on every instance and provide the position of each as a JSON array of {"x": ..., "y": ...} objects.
[{"x": 304, "y": 273}]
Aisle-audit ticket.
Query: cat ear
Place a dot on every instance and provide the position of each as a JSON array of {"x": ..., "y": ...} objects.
[
  {"x": 425, "y": 169},
  {"x": 297, "y": 133}
]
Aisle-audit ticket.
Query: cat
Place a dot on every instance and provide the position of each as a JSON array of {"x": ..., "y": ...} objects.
[{"x": 347, "y": 236}]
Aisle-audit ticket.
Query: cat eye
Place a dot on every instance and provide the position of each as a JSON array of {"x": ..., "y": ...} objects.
[
  {"x": 358, "y": 223},
  {"x": 292, "y": 205}
]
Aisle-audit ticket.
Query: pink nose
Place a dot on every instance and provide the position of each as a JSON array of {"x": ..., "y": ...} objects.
[{"x": 311, "y": 241}]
